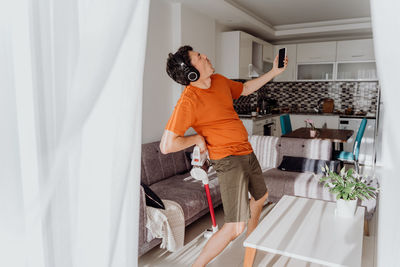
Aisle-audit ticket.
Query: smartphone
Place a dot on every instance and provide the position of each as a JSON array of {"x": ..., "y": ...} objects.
[{"x": 281, "y": 58}]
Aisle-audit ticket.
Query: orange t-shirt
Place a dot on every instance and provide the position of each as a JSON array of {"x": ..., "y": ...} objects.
[{"x": 211, "y": 114}]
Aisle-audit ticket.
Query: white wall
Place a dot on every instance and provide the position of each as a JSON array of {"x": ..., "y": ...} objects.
[
  {"x": 170, "y": 26},
  {"x": 198, "y": 31},
  {"x": 159, "y": 91}
]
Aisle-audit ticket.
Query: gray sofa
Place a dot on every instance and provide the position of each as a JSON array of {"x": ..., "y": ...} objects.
[
  {"x": 167, "y": 176},
  {"x": 270, "y": 151}
]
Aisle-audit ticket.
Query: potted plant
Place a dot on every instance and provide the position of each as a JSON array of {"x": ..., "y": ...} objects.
[
  {"x": 348, "y": 187},
  {"x": 313, "y": 131}
]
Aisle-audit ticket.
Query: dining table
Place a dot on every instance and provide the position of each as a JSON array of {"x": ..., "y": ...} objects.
[{"x": 336, "y": 136}]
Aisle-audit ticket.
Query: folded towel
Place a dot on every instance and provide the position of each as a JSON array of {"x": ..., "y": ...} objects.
[{"x": 168, "y": 224}]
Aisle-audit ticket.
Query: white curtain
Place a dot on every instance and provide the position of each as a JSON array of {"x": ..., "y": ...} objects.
[
  {"x": 70, "y": 116},
  {"x": 386, "y": 32}
]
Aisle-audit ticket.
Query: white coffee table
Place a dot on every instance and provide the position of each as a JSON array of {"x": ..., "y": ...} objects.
[{"x": 309, "y": 230}]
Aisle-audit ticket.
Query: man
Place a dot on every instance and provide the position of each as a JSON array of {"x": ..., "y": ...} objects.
[{"x": 206, "y": 105}]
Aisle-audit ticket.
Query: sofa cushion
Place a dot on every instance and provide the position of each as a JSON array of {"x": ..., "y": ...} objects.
[
  {"x": 151, "y": 167},
  {"x": 266, "y": 149},
  {"x": 279, "y": 182},
  {"x": 317, "y": 149},
  {"x": 307, "y": 148},
  {"x": 308, "y": 186},
  {"x": 157, "y": 166},
  {"x": 188, "y": 192},
  {"x": 300, "y": 164}
]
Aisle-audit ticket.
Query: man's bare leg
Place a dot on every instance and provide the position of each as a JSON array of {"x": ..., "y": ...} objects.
[
  {"x": 255, "y": 209},
  {"x": 218, "y": 242}
]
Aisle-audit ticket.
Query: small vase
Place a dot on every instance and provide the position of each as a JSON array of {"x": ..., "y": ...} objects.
[
  {"x": 313, "y": 133},
  {"x": 346, "y": 208}
]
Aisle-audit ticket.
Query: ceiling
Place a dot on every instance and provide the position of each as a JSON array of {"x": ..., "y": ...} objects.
[
  {"x": 280, "y": 12},
  {"x": 285, "y": 21}
]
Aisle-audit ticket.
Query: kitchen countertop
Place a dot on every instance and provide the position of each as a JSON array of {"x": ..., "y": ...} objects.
[{"x": 260, "y": 117}]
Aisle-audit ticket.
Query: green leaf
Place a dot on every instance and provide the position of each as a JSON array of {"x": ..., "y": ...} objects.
[
  {"x": 323, "y": 179},
  {"x": 366, "y": 195},
  {"x": 360, "y": 196},
  {"x": 348, "y": 189},
  {"x": 350, "y": 172},
  {"x": 342, "y": 172}
]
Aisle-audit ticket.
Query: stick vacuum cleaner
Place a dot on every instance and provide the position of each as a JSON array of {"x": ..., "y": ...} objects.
[{"x": 199, "y": 171}]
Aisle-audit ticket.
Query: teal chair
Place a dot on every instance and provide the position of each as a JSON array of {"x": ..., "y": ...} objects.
[
  {"x": 286, "y": 125},
  {"x": 352, "y": 157}
]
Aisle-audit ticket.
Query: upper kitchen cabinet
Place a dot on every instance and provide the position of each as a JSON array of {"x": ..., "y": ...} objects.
[
  {"x": 356, "y": 60},
  {"x": 316, "y": 52},
  {"x": 244, "y": 56},
  {"x": 236, "y": 54},
  {"x": 289, "y": 74},
  {"x": 355, "y": 50},
  {"x": 267, "y": 57},
  {"x": 316, "y": 61},
  {"x": 268, "y": 53}
]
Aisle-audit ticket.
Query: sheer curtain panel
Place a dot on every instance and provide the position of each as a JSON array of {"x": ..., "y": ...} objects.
[
  {"x": 385, "y": 26},
  {"x": 70, "y": 112}
]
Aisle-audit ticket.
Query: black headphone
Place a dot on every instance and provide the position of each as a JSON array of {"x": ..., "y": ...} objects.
[{"x": 191, "y": 73}]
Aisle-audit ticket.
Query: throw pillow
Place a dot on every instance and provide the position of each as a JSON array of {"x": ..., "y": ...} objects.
[
  {"x": 299, "y": 164},
  {"x": 152, "y": 199}
]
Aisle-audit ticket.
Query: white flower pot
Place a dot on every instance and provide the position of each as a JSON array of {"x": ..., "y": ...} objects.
[{"x": 346, "y": 208}]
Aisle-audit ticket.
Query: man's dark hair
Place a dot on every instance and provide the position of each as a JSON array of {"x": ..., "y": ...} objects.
[{"x": 174, "y": 67}]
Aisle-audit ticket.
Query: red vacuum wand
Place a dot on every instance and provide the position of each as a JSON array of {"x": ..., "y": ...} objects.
[{"x": 199, "y": 171}]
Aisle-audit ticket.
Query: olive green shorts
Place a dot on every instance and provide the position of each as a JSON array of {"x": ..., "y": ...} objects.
[{"x": 238, "y": 175}]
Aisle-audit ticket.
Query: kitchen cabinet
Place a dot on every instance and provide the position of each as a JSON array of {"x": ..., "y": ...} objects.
[
  {"x": 289, "y": 74},
  {"x": 248, "y": 124},
  {"x": 244, "y": 56},
  {"x": 276, "y": 130},
  {"x": 256, "y": 126},
  {"x": 356, "y": 60},
  {"x": 236, "y": 54},
  {"x": 320, "y": 121},
  {"x": 364, "y": 71},
  {"x": 316, "y": 61},
  {"x": 268, "y": 53},
  {"x": 312, "y": 71},
  {"x": 316, "y": 52},
  {"x": 355, "y": 50},
  {"x": 257, "y": 57}
]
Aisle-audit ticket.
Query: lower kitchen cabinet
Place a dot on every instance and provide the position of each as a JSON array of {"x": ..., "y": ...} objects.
[
  {"x": 276, "y": 131},
  {"x": 261, "y": 126}
]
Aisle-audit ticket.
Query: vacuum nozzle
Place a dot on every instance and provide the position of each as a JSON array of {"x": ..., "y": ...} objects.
[{"x": 200, "y": 165}]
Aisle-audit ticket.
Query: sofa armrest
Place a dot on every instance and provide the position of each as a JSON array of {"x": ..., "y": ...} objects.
[{"x": 142, "y": 218}]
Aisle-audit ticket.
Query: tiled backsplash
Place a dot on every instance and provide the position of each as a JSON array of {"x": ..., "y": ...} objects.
[{"x": 304, "y": 96}]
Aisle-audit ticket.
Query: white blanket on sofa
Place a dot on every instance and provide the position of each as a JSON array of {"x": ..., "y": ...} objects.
[{"x": 168, "y": 224}]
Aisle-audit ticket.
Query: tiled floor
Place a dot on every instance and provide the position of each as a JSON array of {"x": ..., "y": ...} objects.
[{"x": 233, "y": 254}]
